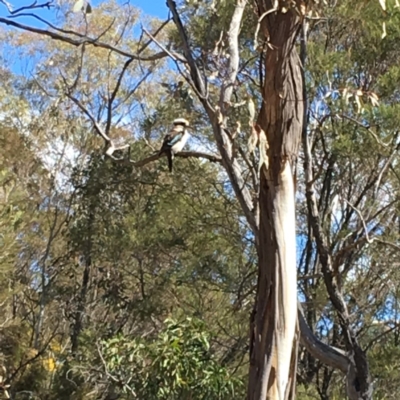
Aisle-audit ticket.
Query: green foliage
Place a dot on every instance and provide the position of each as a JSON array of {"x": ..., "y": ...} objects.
[{"x": 175, "y": 364}]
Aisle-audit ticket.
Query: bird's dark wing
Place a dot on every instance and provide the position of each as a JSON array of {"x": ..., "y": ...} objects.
[
  {"x": 175, "y": 137},
  {"x": 170, "y": 139},
  {"x": 165, "y": 145}
]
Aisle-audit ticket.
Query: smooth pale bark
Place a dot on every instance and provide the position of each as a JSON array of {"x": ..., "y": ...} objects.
[
  {"x": 276, "y": 315},
  {"x": 283, "y": 219}
]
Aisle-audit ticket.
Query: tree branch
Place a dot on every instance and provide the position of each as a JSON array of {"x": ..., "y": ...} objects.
[
  {"x": 328, "y": 355},
  {"x": 182, "y": 154},
  {"x": 83, "y": 40},
  {"x": 176, "y": 57},
  {"x": 34, "y": 5},
  {"x": 96, "y": 125},
  {"x": 233, "y": 46},
  {"x": 358, "y": 377},
  {"x": 366, "y": 127},
  {"x": 194, "y": 71},
  {"x": 361, "y": 386},
  {"x": 217, "y": 115}
]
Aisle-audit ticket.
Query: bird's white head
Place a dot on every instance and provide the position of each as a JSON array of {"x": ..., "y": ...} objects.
[{"x": 181, "y": 121}]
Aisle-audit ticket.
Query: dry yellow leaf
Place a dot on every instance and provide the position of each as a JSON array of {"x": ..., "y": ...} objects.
[{"x": 252, "y": 109}]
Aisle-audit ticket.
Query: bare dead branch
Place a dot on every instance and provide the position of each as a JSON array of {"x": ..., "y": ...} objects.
[
  {"x": 390, "y": 244},
  {"x": 83, "y": 40},
  {"x": 69, "y": 32},
  {"x": 112, "y": 149},
  {"x": 96, "y": 125},
  {"x": 49, "y": 24},
  {"x": 174, "y": 56},
  {"x": 252, "y": 169},
  {"x": 158, "y": 30},
  {"x": 107, "y": 372},
  {"x": 233, "y": 45},
  {"x": 385, "y": 167},
  {"x": 221, "y": 132},
  {"x": 32, "y": 6},
  {"x": 105, "y": 30},
  {"x": 133, "y": 90},
  {"x": 80, "y": 67}
]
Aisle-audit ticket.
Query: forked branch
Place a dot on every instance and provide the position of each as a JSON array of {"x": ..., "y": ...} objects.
[
  {"x": 80, "y": 40},
  {"x": 34, "y": 5},
  {"x": 361, "y": 386}
]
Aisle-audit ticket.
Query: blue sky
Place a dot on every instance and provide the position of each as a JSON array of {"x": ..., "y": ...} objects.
[{"x": 156, "y": 8}]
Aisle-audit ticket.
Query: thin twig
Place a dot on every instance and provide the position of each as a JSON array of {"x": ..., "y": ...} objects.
[
  {"x": 366, "y": 127},
  {"x": 259, "y": 24},
  {"x": 175, "y": 56},
  {"x": 114, "y": 93},
  {"x": 48, "y": 4},
  {"x": 98, "y": 128},
  {"x": 362, "y": 220}
]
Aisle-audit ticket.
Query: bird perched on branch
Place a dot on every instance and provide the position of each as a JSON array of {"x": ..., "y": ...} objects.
[{"x": 175, "y": 140}]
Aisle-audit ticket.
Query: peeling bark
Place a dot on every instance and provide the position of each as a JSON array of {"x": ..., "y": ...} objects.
[{"x": 274, "y": 320}]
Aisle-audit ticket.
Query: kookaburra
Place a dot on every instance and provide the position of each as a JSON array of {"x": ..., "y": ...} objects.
[{"x": 175, "y": 140}]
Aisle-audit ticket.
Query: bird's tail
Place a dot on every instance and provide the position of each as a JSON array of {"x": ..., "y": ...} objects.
[{"x": 170, "y": 157}]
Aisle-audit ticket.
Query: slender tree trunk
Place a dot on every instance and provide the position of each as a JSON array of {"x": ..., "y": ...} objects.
[
  {"x": 82, "y": 298},
  {"x": 274, "y": 321},
  {"x": 81, "y": 308},
  {"x": 44, "y": 285}
]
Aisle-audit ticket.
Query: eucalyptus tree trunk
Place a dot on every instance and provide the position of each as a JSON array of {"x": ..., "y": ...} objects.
[{"x": 274, "y": 335}]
